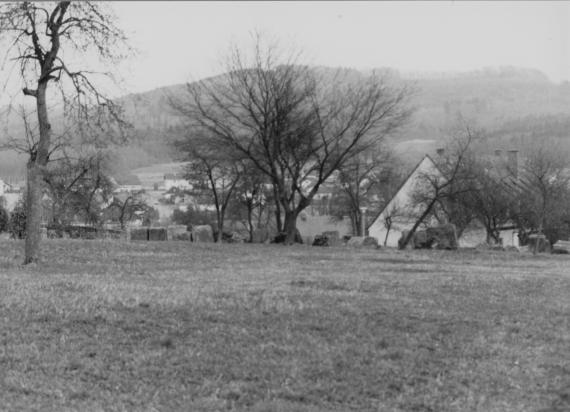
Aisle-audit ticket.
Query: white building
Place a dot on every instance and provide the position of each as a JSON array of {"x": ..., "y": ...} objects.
[
  {"x": 173, "y": 180},
  {"x": 400, "y": 209}
]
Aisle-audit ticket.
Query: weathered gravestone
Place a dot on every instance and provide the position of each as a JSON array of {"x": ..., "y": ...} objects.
[
  {"x": 139, "y": 233},
  {"x": 280, "y": 238},
  {"x": 330, "y": 238},
  {"x": 538, "y": 243},
  {"x": 321, "y": 240},
  {"x": 419, "y": 240},
  {"x": 233, "y": 237},
  {"x": 177, "y": 232},
  {"x": 363, "y": 242},
  {"x": 157, "y": 233},
  {"x": 260, "y": 235},
  {"x": 333, "y": 237},
  {"x": 443, "y": 236},
  {"x": 562, "y": 247},
  {"x": 202, "y": 234}
]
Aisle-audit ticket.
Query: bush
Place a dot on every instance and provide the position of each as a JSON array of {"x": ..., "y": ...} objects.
[
  {"x": 193, "y": 217},
  {"x": 4, "y": 219},
  {"x": 17, "y": 224}
]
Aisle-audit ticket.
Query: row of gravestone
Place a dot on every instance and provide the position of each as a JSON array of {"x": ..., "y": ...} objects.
[
  {"x": 203, "y": 233},
  {"x": 440, "y": 237},
  {"x": 332, "y": 238},
  {"x": 264, "y": 235}
]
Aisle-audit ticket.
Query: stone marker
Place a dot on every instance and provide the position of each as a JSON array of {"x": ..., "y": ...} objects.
[
  {"x": 363, "y": 242},
  {"x": 538, "y": 243},
  {"x": 280, "y": 238},
  {"x": 260, "y": 235},
  {"x": 202, "y": 234},
  {"x": 177, "y": 232},
  {"x": 139, "y": 233},
  {"x": 562, "y": 247},
  {"x": 443, "y": 236},
  {"x": 333, "y": 237},
  {"x": 157, "y": 233}
]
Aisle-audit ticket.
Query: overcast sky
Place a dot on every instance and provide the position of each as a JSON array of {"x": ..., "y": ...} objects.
[{"x": 180, "y": 41}]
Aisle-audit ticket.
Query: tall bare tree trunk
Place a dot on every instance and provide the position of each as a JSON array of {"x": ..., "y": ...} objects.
[
  {"x": 250, "y": 221},
  {"x": 290, "y": 226},
  {"x": 33, "y": 213},
  {"x": 220, "y": 224},
  {"x": 35, "y": 171}
]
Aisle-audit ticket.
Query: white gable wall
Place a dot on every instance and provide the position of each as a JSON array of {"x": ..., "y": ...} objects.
[{"x": 403, "y": 202}]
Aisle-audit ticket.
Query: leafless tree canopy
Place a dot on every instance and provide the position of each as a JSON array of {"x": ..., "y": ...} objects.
[
  {"x": 45, "y": 41},
  {"x": 294, "y": 123}
]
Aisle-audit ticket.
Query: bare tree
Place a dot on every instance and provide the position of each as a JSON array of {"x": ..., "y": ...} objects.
[
  {"x": 545, "y": 190},
  {"x": 488, "y": 196},
  {"x": 71, "y": 185},
  {"x": 125, "y": 207},
  {"x": 365, "y": 181},
  {"x": 251, "y": 198},
  {"x": 35, "y": 37},
  {"x": 294, "y": 123},
  {"x": 214, "y": 174},
  {"x": 436, "y": 189},
  {"x": 392, "y": 214}
]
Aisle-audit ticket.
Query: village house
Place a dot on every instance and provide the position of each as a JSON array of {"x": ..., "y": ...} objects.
[
  {"x": 172, "y": 180},
  {"x": 10, "y": 194},
  {"x": 401, "y": 212}
]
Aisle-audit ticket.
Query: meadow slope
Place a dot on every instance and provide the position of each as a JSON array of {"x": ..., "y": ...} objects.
[{"x": 174, "y": 326}]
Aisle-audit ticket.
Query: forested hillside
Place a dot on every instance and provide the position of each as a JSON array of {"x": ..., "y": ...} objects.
[{"x": 510, "y": 104}]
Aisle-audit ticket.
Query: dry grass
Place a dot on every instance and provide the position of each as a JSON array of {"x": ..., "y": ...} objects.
[{"x": 194, "y": 327}]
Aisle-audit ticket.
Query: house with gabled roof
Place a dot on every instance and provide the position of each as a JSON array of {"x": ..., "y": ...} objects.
[{"x": 401, "y": 212}]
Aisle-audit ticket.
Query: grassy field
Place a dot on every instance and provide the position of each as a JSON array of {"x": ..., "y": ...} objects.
[{"x": 109, "y": 325}]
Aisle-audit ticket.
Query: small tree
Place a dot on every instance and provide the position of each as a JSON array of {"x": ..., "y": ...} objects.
[
  {"x": 17, "y": 225},
  {"x": 544, "y": 194},
  {"x": 4, "y": 219},
  {"x": 488, "y": 196},
  {"x": 251, "y": 197},
  {"x": 365, "y": 181},
  {"x": 214, "y": 174},
  {"x": 78, "y": 189},
  {"x": 126, "y": 207},
  {"x": 392, "y": 214}
]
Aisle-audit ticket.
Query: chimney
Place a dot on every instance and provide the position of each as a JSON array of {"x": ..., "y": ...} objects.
[
  {"x": 513, "y": 163},
  {"x": 440, "y": 151}
]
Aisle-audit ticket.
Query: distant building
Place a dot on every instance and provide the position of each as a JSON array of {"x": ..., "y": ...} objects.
[
  {"x": 127, "y": 184},
  {"x": 128, "y": 188},
  {"x": 172, "y": 180}
]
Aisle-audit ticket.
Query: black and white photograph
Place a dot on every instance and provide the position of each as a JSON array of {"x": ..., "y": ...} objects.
[{"x": 285, "y": 206}]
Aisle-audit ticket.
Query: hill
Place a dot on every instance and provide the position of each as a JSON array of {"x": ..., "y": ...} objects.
[{"x": 510, "y": 104}]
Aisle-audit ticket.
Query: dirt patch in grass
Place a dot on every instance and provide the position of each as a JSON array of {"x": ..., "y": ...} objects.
[{"x": 176, "y": 326}]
